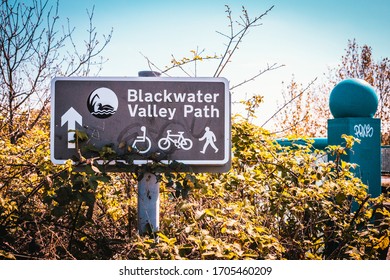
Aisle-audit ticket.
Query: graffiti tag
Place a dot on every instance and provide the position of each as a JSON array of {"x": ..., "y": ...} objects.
[{"x": 363, "y": 130}]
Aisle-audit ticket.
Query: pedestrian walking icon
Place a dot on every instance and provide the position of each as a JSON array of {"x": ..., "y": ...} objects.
[{"x": 210, "y": 138}]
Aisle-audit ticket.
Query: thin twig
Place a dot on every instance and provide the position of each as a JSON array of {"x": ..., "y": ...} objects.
[
  {"x": 229, "y": 51},
  {"x": 291, "y": 100},
  {"x": 269, "y": 68},
  {"x": 292, "y": 126},
  {"x": 152, "y": 65}
]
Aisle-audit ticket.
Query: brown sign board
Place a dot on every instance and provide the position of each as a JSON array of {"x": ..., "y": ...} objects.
[{"x": 186, "y": 120}]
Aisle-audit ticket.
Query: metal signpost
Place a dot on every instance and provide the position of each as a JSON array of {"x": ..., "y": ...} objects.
[{"x": 179, "y": 119}]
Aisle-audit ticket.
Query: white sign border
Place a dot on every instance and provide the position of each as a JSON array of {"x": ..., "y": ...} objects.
[{"x": 227, "y": 125}]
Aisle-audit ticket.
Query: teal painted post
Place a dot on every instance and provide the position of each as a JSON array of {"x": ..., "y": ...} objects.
[
  {"x": 353, "y": 103},
  {"x": 319, "y": 143}
]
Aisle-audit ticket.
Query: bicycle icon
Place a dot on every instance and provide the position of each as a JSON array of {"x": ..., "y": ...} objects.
[
  {"x": 142, "y": 143},
  {"x": 177, "y": 139}
]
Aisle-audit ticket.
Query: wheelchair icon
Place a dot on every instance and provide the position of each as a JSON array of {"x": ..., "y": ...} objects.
[{"x": 142, "y": 143}]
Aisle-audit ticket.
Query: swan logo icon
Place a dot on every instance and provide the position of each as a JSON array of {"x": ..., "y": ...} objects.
[{"x": 102, "y": 103}]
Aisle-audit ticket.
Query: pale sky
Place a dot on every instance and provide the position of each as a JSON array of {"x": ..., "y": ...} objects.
[{"x": 307, "y": 36}]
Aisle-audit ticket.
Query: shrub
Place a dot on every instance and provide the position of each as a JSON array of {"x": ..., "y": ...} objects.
[{"x": 275, "y": 203}]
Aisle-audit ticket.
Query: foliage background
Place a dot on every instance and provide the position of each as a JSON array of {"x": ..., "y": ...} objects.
[
  {"x": 275, "y": 202},
  {"x": 307, "y": 109}
]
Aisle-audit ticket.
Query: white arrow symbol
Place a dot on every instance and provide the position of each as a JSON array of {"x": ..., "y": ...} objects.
[{"x": 71, "y": 117}]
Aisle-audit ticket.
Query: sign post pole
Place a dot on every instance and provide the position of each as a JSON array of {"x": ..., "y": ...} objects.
[
  {"x": 148, "y": 192},
  {"x": 148, "y": 204}
]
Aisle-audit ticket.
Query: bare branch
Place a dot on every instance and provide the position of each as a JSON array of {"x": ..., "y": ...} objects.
[
  {"x": 292, "y": 125},
  {"x": 236, "y": 38},
  {"x": 269, "y": 68},
  {"x": 179, "y": 63},
  {"x": 31, "y": 54},
  {"x": 291, "y": 100},
  {"x": 152, "y": 66},
  {"x": 80, "y": 63}
]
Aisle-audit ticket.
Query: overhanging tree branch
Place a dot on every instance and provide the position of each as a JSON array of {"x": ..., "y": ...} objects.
[
  {"x": 31, "y": 49},
  {"x": 291, "y": 100},
  {"x": 235, "y": 38}
]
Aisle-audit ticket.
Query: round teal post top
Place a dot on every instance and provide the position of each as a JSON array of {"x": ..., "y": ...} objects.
[{"x": 353, "y": 98}]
